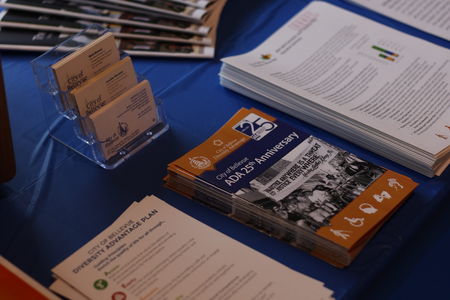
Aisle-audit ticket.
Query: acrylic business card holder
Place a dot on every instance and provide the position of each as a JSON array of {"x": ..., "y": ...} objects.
[{"x": 63, "y": 121}]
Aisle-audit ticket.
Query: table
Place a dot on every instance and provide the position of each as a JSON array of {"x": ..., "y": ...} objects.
[{"x": 58, "y": 200}]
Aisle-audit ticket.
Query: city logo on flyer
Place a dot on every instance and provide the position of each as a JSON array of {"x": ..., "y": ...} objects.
[
  {"x": 199, "y": 162},
  {"x": 122, "y": 128},
  {"x": 255, "y": 126}
]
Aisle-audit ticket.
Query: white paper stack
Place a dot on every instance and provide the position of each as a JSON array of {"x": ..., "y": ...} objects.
[
  {"x": 363, "y": 81},
  {"x": 154, "y": 251}
]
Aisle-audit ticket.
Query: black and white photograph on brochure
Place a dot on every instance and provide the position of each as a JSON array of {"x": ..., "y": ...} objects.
[{"x": 311, "y": 184}]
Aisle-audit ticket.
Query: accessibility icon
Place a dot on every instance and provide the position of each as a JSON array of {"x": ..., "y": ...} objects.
[
  {"x": 355, "y": 222},
  {"x": 345, "y": 234}
]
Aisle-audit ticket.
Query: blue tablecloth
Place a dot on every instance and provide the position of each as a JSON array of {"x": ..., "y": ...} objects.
[{"x": 59, "y": 200}]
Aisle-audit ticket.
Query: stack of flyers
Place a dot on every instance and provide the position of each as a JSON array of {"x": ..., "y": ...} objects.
[
  {"x": 145, "y": 28},
  {"x": 154, "y": 251},
  {"x": 351, "y": 76},
  {"x": 290, "y": 185}
]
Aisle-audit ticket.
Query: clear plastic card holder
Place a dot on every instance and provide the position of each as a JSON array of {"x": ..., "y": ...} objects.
[{"x": 63, "y": 121}]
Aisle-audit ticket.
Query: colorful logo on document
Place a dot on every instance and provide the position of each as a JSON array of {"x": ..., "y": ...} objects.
[
  {"x": 199, "y": 162},
  {"x": 266, "y": 56},
  {"x": 119, "y": 296},
  {"x": 255, "y": 126},
  {"x": 100, "y": 284}
]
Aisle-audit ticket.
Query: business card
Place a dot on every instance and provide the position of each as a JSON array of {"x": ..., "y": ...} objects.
[
  {"x": 88, "y": 61},
  {"x": 119, "y": 122},
  {"x": 105, "y": 87}
]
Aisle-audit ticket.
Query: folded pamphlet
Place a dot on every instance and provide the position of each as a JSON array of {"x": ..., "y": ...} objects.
[
  {"x": 54, "y": 23},
  {"x": 182, "y": 28},
  {"x": 291, "y": 185}
]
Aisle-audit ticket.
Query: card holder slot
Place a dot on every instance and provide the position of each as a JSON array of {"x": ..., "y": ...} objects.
[{"x": 132, "y": 147}]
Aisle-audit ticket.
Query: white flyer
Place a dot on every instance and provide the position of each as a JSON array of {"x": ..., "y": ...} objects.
[
  {"x": 154, "y": 251},
  {"x": 357, "y": 70},
  {"x": 432, "y": 16}
]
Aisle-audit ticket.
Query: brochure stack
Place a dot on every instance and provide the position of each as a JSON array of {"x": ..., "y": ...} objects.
[
  {"x": 170, "y": 28},
  {"x": 290, "y": 185}
]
